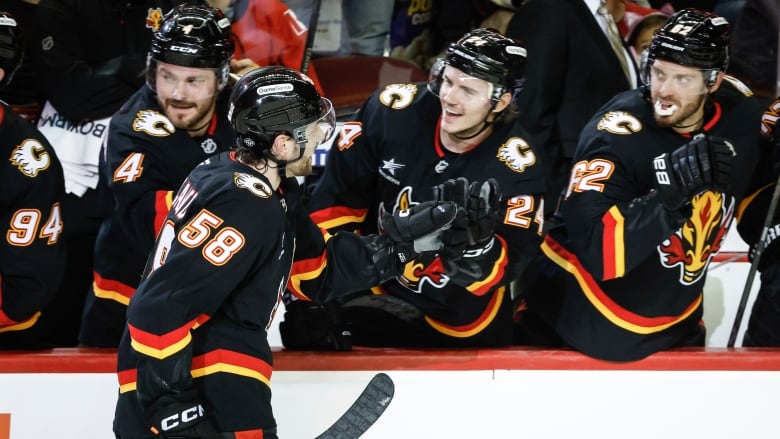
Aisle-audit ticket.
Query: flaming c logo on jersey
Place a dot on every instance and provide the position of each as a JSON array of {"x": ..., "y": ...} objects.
[
  {"x": 30, "y": 157},
  {"x": 154, "y": 18},
  {"x": 419, "y": 271},
  {"x": 153, "y": 123},
  {"x": 699, "y": 239}
]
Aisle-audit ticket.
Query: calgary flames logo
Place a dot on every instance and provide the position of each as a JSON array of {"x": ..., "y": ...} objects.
[
  {"x": 30, "y": 157},
  {"x": 693, "y": 246},
  {"x": 154, "y": 18},
  {"x": 419, "y": 271}
]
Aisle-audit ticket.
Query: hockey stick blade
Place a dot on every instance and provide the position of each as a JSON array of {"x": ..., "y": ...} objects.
[{"x": 366, "y": 409}]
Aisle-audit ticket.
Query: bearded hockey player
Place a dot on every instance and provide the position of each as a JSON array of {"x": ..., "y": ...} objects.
[
  {"x": 159, "y": 135},
  {"x": 652, "y": 193}
]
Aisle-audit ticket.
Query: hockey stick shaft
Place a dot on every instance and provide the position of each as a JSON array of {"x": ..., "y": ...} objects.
[
  {"x": 365, "y": 411},
  {"x": 754, "y": 265},
  {"x": 310, "y": 34}
]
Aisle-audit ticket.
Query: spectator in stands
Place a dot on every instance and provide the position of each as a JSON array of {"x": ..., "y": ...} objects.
[
  {"x": 31, "y": 253},
  {"x": 26, "y": 95},
  {"x": 163, "y": 131},
  {"x": 364, "y": 26},
  {"x": 456, "y": 139},
  {"x": 196, "y": 335},
  {"x": 638, "y": 39},
  {"x": 754, "y": 47},
  {"x": 91, "y": 54},
  {"x": 651, "y": 197},
  {"x": 267, "y": 32}
]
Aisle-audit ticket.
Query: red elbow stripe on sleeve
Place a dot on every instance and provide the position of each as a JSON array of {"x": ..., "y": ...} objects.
[
  {"x": 495, "y": 276},
  {"x": 164, "y": 345},
  {"x": 337, "y": 216},
  {"x": 7, "y": 324},
  {"x": 127, "y": 380},
  {"x": 162, "y": 204},
  {"x": 303, "y": 270},
  {"x": 227, "y": 361},
  {"x": 111, "y": 289},
  {"x": 612, "y": 243},
  {"x": 603, "y": 303},
  {"x": 478, "y": 325}
]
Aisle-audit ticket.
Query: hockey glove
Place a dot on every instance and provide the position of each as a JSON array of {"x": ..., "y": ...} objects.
[
  {"x": 472, "y": 231},
  {"x": 703, "y": 163},
  {"x": 314, "y": 326},
  {"x": 407, "y": 234},
  {"x": 181, "y": 417}
]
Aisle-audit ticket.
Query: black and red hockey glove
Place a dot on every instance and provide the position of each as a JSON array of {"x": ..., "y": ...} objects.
[
  {"x": 471, "y": 234},
  {"x": 702, "y": 164},
  {"x": 408, "y": 233}
]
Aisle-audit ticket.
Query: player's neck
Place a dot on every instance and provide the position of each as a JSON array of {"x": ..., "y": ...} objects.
[
  {"x": 454, "y": 142},
  {"x": 269, "y": 170}
]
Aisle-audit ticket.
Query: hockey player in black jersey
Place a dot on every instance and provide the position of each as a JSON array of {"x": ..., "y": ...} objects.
[
  {"x": 454, "y": 138},
  {"x": 154, "y": 140},
  {"x": 655, "y": 183},
  {"x": 31, "y": 254},
  {"x": 764, "y": 324},
  {"x": 195, "y": 359}
]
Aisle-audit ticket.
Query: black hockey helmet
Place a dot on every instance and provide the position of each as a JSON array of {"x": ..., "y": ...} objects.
[
  {"x": 485, "y": 54},
  {"x": 272, "y": 100},
  {"x": 193, "y": 36},
  {"x": 691, "y": 38},
  {"x": 11, "y": 46}
]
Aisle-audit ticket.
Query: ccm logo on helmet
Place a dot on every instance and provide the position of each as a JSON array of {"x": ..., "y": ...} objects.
[
  {"x": 276, "y": 88},
  {"x": 183, "y": 49},
  {"x": 186, "y": 415}
]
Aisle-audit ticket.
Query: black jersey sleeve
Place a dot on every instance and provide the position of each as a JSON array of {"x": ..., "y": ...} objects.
[{"x": 613, "y": 220}]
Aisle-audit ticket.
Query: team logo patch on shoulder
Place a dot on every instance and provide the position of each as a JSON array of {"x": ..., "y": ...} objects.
[
  {"x": 154, "y": 17},
  {"x": 253, "y": 184},
  {"x": 398, "y": 96},
  {"x": 30, "y": 157},
  {"x": 153, "y": 123},
  {"x": 619, "y": 122},
  {"x": 516, "y": 153}
]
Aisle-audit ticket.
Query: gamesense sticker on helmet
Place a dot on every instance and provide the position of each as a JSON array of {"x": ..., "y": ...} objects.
[
  {"x": 276, "y": 88},
  {"x": 223, "y": 23}
]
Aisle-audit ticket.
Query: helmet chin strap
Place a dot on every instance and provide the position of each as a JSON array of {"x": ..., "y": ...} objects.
[{"x": 485, "y": 125}]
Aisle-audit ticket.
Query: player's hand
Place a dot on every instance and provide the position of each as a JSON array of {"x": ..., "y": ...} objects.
[
  {"x": 418, "y": 229},
  {"x": 702, "y": 164},
  {"x": 181, "y": 418},
  {"x": 476, "y": 222},
  {"x": 406, "y": 234}
]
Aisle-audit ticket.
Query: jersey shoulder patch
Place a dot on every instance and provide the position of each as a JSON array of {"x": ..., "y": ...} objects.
[{"x": 153, "y": 123}]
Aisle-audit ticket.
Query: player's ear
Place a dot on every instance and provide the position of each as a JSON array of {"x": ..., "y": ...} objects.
[
  {"x": 718, "y": 81},
  {"x": 503, "y": 102},
  {"x": 279, "y": 147}
]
